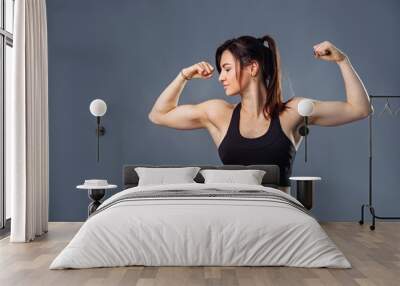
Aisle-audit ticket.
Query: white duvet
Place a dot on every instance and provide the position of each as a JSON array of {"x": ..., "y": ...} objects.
[{"x": 217, "y": 231}]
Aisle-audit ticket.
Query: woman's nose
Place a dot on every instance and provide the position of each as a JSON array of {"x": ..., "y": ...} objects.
[{"x": 220, "y": 78}]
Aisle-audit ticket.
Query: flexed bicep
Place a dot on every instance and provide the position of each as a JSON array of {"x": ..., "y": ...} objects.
[
  {"x": 187, "y": 116},
  {"x": 331, "y": 113}
]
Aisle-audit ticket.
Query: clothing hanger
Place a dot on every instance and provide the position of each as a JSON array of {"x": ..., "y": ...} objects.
[
  {"x": 397, "y": 112},
  {"x": 387, "y": 108}
]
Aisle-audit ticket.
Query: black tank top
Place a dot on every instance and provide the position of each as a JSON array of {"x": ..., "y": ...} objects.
[{"x": 272, "y": 148}]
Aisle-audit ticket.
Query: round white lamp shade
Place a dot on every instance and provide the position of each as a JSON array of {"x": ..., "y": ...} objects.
[
  {"x": 98, "y": 107},
  {"x": 305, "y": 107}
]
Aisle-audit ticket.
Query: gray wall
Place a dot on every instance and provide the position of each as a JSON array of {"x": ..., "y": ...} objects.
[{"x": 126, "y": 52}]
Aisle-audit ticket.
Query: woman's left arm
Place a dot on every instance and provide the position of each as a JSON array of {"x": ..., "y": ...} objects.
[{"x": 356, "y": 107}]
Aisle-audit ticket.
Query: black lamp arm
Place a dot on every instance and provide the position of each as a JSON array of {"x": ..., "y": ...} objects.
[
  {"x": 100, "y": 130},
  {"x": 304, "y": 132}
]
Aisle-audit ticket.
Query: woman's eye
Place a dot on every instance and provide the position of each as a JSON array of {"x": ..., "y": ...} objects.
[{"x": 228, "y": 70}]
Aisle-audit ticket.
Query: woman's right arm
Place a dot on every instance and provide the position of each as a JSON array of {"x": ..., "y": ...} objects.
[{"x": 166, "y": 111}]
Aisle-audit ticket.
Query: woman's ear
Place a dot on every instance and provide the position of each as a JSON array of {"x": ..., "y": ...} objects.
[{"x": 254, "y": 68}]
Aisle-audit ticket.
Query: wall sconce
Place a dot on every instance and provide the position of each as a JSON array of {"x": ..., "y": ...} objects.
[
  {"x": 305, "y": 108},
  {"x": 98, "y": 108}
]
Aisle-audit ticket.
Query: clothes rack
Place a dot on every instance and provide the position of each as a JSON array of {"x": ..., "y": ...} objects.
[{"x": 369, "y": 205}]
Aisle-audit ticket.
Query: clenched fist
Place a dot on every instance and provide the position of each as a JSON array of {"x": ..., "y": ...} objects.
[
  {"x": 202, "y": 70},
  {"x": 328, "y": 52}
]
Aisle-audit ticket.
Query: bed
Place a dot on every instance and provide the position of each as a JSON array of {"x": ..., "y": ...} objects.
[{"x": 201, "y": 224}]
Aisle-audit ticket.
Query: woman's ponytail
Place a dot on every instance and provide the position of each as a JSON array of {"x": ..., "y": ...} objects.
[{"x": 272, "y": 75}]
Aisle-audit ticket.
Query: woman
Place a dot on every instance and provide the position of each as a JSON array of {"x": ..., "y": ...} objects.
[{"x": 261, "y": 129}]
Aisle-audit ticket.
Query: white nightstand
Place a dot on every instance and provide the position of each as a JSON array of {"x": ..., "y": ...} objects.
[
  {"x": 96, "y": 191},
  {"x": 305, "y": 190}
]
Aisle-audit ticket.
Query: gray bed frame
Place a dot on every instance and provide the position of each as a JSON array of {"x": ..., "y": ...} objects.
[{"x": 271, "y": 178}]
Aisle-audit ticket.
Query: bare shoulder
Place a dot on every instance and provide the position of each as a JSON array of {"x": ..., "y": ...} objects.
[
  {"x": 292, "y": 117},
  {"x": 294, "y": 101},
  {"x": 291, "y": 120},
  {"x": 218, "y": 112},
  {"x": 217, "y": 104},
  {"x": 217, "y": 108}
]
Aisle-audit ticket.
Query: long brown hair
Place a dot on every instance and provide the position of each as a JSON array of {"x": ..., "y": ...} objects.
[{"x": 264, "y": 50}]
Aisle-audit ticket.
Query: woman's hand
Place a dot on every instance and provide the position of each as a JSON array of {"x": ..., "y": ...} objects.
[
  {"x": 328, "y": 52},
  {"x": 200, "y": 70}
]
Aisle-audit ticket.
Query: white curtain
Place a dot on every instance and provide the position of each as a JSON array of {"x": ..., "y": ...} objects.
[{"x": 27, "y": 123}]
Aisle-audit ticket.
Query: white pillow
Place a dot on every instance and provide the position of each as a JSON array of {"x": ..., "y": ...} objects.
[
  {"x": 162, "y": 176},
  {"x": 249, "y": 177}
]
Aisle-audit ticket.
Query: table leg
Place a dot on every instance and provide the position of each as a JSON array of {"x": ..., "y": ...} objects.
[
  {"x": 95, "y": 195},
  {"x": 304, "y": 193}
]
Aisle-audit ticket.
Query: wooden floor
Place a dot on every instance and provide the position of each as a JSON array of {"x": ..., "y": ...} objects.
[{"x": 374, "y": 255}]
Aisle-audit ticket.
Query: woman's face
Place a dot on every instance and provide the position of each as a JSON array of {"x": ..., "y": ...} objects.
[{"x": 230, "y": 70}]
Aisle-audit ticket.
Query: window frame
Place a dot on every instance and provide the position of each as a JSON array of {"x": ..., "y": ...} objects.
[{"x": 6, "y": 38}]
